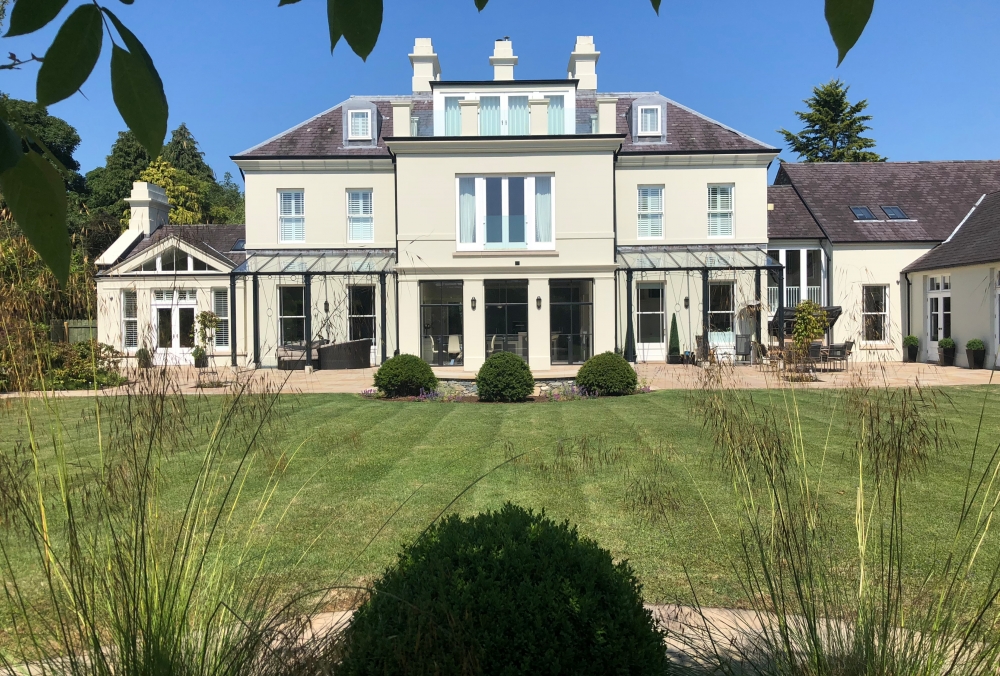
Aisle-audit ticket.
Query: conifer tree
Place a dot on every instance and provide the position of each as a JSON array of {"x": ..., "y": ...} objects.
[{"x": 834, "y": 128}]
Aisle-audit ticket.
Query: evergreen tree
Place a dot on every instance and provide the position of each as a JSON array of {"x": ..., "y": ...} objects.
[
  {"x": 182, "y": 153},
  {"x": 226, "y": 200},
  {"x": 833, "y": 128},
  {"x": 59, "y": 136},
  {"x": 111, "y": 184}
]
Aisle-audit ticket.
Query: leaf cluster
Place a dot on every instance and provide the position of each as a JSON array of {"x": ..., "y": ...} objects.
[
  {"x": 504, "y": 376},
  {"x": 405, "y": 375},
  {"x": 811, "y": 323},
  {"x": 607, "y": 375}
]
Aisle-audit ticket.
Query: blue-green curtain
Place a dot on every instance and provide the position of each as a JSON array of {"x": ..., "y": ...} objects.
[
  {"x": 467, "y": 209},
  {"x": 489, "y": 116},
  {"x": 543, "y": 208},
  {"x": 557, "y": 116},
  {"x": 517, "y": 116},
  {"x": 452, "y": 116}
]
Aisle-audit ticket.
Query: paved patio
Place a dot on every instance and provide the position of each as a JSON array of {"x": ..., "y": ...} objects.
[{"x": 657, "y": 376}]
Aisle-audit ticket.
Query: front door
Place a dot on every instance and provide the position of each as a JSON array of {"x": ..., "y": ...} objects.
[
  {"x": 651, "y": 336},
  {"x": 174, "y": 312},
  {"x": 938, "y": 313}
]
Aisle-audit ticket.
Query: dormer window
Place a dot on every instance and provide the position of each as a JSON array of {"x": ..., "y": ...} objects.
[
  {"x": 649, "y": 121},
  {"x": 360, "y": 125},
  {"x": 894, "y": 213},
  {"x": 863, "y": 213}
]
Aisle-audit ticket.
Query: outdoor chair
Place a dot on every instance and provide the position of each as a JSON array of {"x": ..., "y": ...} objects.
[
  {"x": 454, "y": 348},
  {"x": 837, "y": 354},
  {"x": 353, "y": 354},
  {"x": 848, "y": 345}
]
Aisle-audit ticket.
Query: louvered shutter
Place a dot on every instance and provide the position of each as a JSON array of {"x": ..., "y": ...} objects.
[
  {"x": 360, "y": 223},
  {"x": 650, "y": 211},
  {"x": 291, "y": 212},
  {"x": 720, "y": 211}
]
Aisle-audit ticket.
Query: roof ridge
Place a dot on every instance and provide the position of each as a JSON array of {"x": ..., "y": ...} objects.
[
  {"x": 888, "y": 162},
  {"x": 720, "y": 124}
]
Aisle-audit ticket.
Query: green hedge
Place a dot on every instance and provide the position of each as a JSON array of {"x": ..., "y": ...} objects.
[
  {"x": 504, "y": 377},
  {"x": 508, "y": 592},
  {"x": 405, "y": 375},
  {"x": 607, "y": 375}
]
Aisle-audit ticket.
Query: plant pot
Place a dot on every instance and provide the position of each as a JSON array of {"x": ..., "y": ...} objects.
[
  {"x": 675, "y": 359},
  {"x": 976, "y": 358},
  {"x": 201, "y": 362},
  {"x": 911, "y": 353},
  {"x": 946, "y": 356}
]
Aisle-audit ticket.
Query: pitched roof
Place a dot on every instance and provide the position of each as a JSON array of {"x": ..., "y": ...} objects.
[
  {"x": 214, "y": 240},
  {"x": 976, "y": 241},
  {"x": 789, "y": 218},
  {"x": 935, "y": 196}
]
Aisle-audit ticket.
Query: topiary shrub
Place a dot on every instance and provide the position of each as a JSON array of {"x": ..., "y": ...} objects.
[
  {"x": 975, "y": 344},
  {"x": 507, "y": 592},
  {"x": 405, "y": 375},
  {"x": 143, "y": 358},
  {"x": 911, "y": 341},
  {"x": 504, "y": 377},
  {"x": 607, "y": 375}
]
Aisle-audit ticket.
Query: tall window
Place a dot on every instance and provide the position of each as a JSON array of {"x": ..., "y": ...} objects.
[
  {"x": 360, "y": 125},
  {"x": 720, "y": 211},
  {"x": 507, "y": 317},
  {"x": 452, "y": 116},
  {"x": 292, "y": 315},
  {"x": 557, "y": 115},
  {"x": 441, "y": 340},
  {"x": 649, "y": 120},
  {"x": 489, "y": 116},
  {"x": 361, "y": 312},
  {"x": 939, "y": 308},
  {"x": 360, "y": 223},
  {"x": 650, "y": 211},
  {"x": 517, "y": 116},
  {"x": 875, "y": 312},
  {"x": 650, "y": 313},
  {"x": 130, "y": 320},
  {"x": 571, "y": 317},
  {"x": 505, "y": 212},
  {"x": 720, "y": 309},
  {"x": 292, "y": 215},
  {"x": 220, "y": 306}
]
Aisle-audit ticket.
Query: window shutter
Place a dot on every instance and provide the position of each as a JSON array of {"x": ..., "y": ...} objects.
[
  {"x": 220, "y": 306},
  {"x": 649, "y": 120},
  {"x": 650, "y": 211},
  {"x": 359, "y": 216},
  {"x": 360, "y": 124},
  {"x": 130, "y": 315},
  {"x": 291, "y": 214}
]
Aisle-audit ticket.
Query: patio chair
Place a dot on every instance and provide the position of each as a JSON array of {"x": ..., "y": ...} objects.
[
  {"x": 744, "y": 348},
  {"x": 454, "y": 348},
  {"x": 848, "y": 345},
  {"x": 837, "y": 354}
]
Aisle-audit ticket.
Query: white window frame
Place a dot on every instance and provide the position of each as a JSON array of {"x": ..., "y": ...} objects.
[
  {"x": 367, "y": 114},
  {"x": 529, "y": 213},
  {"x": 659, "y": 122},
  {"x": 281, "y": 217},
  {"x": 886, "y": 339},
  {"x": 132, "y": 321},
  {"x": 569, "y": 104},
  {"x": 221, "y": 337},
  {"x": 662, "y": 312},
  {"x": 640, "y": 212},
  {"x": 350, "y": 216},
  {"x": 731, "y": 211}
]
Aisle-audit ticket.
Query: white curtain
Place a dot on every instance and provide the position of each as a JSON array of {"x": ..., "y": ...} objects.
[
  {"x": 517, "y": 116},
  {"x": 543, "y": 208},
  {"x": 489, "y": 116},
  {"x": 557, "y": 117},
  {"x": 467, "y": 209},
  {"x": 452, "y": 116}
]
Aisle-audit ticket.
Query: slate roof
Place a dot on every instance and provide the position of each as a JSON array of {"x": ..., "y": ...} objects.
[
  {"x": 789, "y": 219},
  {"x": 323, "y": 135},
  {"x": 216, "y": 240},
  {"x": 935, "y": 196},
  {"x": 977, "y": 241}
]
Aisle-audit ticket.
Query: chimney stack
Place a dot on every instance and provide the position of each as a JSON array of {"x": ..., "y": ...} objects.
[
  {"x": 150, "y": 208},
  {"x": 503, "y": 59},
  {"x": 583, "y": 62},
  {"x": 426, "y": 67}
]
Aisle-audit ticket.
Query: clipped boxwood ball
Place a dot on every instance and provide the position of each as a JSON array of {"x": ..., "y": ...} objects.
[
  {"x": 508, "y": 592},
  {"x": 404, "y": 376},
  {"x": 504, "y": 377},
  {"x": 607, "y": 375}
]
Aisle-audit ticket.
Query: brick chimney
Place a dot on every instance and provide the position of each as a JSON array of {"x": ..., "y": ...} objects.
[
  {"x": 503, "y": 59},
  {"x": 426, "y": 67},
  {"x": 583, "y": 62},
  {"x": 150, "y": 208}
]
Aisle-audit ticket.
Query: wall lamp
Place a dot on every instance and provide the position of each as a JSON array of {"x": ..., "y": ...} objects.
[
  {"x": 538, "y": 302},
  {"x": 687, "y": 302},
  {"x": 473, "y": 303}
]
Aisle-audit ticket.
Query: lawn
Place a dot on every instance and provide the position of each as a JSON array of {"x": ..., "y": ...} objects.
[{"x": 637, "y": 474}]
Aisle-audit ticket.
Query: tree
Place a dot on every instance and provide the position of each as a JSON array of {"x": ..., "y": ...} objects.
[
  {"x": 833, "y": 128},
  {"x": 182, "y": 152},
  {"x": 111, "y": 184},
  {"x": 226, "y": 200},
  {"x": 57, "y": 134},
  {"x": 184, "y": 191}
]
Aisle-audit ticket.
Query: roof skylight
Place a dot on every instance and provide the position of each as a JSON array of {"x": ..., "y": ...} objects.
[
  {"x": 895, "y": 213},
  {"x": 863, "y": 213},
  {"x": 240, "y": 245}
]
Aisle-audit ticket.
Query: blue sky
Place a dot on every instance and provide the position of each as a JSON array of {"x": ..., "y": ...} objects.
[{"x": 239, "y": 72}]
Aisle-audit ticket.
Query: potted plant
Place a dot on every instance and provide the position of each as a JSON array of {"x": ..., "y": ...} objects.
[
  {"x": 674, "y": 347},
  {"x": 143, "y": 358},
  {"x": 910, "y": 345},
  {"x": 946, "y": 352},
  {"x": 975, "y": 351},
  {"x": 208, "y": 322}
]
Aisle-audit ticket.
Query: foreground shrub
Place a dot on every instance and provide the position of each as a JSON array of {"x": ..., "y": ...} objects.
[
  {"x": 508, "y": 592},
  {"x": 607, "y": 375},
  {"x": 504, "y": 377},
  {"x": 405, "y": 375}
]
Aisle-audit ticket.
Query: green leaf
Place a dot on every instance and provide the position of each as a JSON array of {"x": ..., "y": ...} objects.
[
  {"x": 134, "y": 46},
  {"x": 656, "y": 6},
  {"x": 847, "y": 20},
  {"x": 30, "y": 15},
  {"x": 282, "y": 3},
  {"x": 358, "y": 21},
  {"x": 481, "y": 4},
  {"x": 72, "y": 55},
  {"x": 11, "y": 149},
  {"x": 138, "y": 94},
  {"x": 36, "y": 196}
]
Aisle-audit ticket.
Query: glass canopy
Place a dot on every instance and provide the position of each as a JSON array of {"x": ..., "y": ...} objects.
[
  {"x": 673, "y": 257},
  {"x": 340, "y": 262}
]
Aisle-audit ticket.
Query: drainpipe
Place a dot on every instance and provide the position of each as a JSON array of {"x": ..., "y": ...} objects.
[
  {"x": 232, "y": 316},
  {"x": 256, "y": 321},
  {"x": 909, "y": 301},
  {"x": 307, "y": 298},
  {"x": 629, "y": 333}
]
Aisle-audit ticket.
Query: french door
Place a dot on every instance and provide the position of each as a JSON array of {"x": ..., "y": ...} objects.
[
  {"x": 173, "y": 314},
  {"x": 938, "y": 313},
  {"x": 721, "y": 304}
]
